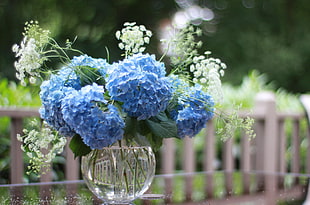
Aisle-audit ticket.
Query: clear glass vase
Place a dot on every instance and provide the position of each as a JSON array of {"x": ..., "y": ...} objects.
[{"x": 119, "y": 174}]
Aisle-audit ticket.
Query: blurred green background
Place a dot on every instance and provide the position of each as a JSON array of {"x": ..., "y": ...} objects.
[{"x": 272, "y": 37}]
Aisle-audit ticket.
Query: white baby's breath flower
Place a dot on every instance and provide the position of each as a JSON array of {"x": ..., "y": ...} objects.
[
  {"x": 15, "y": 48},
  {"x": 142, "y": 28},
  {"x": 118, "y": 35},
  {"x": 19, "y": 137},
  {"x": 207, "y": 71},
  {"x": 148, "y": 33},
  {"x": 29, "y": 59},
  {"x": 29, "y": 52},
  {"x": 133, "y": 38},
  {"x": 32, "y": 80},
  {"x": 42, "y": 145},
  {"x": 203, "y": 80}
]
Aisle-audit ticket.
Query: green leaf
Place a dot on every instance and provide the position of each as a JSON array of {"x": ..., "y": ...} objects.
[
  {"x": 135, "y": 127},
  {"x": 78, "y": 147},
  {"x": 155, "y": 141},
  {"x": 131, "y": 127},
  {"x": 162, "y": 126},
  {"x": 154, "y": 129},
  {"x": 89, "y": 75}
]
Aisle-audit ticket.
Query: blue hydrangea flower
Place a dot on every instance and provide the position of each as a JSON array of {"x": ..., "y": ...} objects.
[
  {"x": 97, "y": 128},
  {"x": 139, "y": 83},
  {"x": 85, "y": 60},
  {"x": 193, "y": 110},
  {"x": 51, "y": 94},
  {"x": 69, "y": 78}
]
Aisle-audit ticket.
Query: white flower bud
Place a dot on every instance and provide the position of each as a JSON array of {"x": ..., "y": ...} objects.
[{"x": 118, "y": 34}]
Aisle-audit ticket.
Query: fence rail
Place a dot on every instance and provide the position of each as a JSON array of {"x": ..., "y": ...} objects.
[
  {"x": 267, "y": 152},
  {"x": 277, "y": 136}
]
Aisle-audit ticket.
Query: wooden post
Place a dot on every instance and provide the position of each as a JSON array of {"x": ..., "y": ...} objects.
[
  {"x": 295, "y": 149},
  {"x": 282, "y": 150},
  {"x": 188, "y": 166},
  {"x": 305, "y": 100},
  {"x": 17, "y": 162},
  {"x": 72, "y": 173},
  {"x": 72, "y": 164},
  {"x": 265, "y": 104},
  {"x": 209, "y": 158},
  {"x": 228, "y": 161},
  {"x": 245, "y": 163},
  {"x": 168, "y": 165}
]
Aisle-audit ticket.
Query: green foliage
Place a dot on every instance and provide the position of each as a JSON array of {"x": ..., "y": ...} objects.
[
  {"x": 162, "y": 126},
  {"x": 78, "y": 147},
  {"x": 154, "y": 129},
  {"x": 93, "y": 25},
  {"x": 244, "y": 97},
  {"x": 12, "y": 94},
  {"x": 268, "y": 36},
  {"x": 244, "y": 94},
  {"x": 89, "y": 75},
  {"x": 255, "y": 82}
]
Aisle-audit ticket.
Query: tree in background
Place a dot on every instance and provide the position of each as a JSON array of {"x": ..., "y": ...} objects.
[
  {"x": 92, "y": 22},
  {"x": 269, "y": 36}
]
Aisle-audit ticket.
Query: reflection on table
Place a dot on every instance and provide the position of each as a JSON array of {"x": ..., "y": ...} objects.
[{"x": 182, "y": 188}]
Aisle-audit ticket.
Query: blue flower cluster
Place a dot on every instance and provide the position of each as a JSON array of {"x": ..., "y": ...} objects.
[
  {"x": 64, "y": 83},
  {"x": 85, "y": 60},
  {"x": 51, "y": 94},
  {"x": 193, "y": 110},
  {"x": 139, "y": 82},
  {"x": 97, "y": 128},
  {"x": 138, "y": 86}
]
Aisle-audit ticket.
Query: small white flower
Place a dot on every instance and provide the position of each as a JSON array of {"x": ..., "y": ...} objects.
[
  {"x": 118, "y": 34},
  {"x": 133, "y": 38},
  {"x": 129, "y": 23},
  {"x": 141, "y": 49},
  {"x": 146, "y": 40},
  {"x": 223, "y": 65},
  {"x": 149, "y": 33},
  {"x": 203, "y": 80},
  {"x": 121, "y": 46},
  {"x": 15, "y": 48},
  {"x": 32, "y": 80},
  {"x": 222, "y": 72},
  {"x": 29, "y": 59},
  {"x": 142, "y": 28}
]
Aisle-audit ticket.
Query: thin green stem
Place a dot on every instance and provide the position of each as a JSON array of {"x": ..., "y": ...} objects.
[{"x": 123, "y": 159}]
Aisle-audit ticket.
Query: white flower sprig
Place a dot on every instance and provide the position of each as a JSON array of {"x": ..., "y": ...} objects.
[
  {"x": 182, "y": 47},
  {"x": 133, "y": 38},
  {"x": 41, "y": 144},
  {"x": 29, "y": 61},
  {"x": 208, "y": 71},
  {"x": 30, "y": 52},
  {"x": 36, "y": 48}
]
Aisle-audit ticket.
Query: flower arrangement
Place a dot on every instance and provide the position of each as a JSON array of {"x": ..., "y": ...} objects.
[{"x": 98, "y": 103}]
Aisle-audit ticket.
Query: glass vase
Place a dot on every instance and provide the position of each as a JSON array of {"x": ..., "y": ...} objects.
[{"x": 119, "y": 174}]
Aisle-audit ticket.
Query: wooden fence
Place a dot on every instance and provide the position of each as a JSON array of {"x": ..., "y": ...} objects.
[{"x": 277, "y": 134}]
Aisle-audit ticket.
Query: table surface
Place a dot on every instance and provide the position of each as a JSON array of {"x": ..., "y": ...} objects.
[{"x": 76, "y": 192}]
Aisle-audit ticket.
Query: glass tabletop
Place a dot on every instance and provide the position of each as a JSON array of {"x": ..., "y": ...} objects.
[{"x": 180, "y": 188}]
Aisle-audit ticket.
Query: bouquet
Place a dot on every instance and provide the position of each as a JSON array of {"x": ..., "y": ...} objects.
[{"x": 97, "y": 102}]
